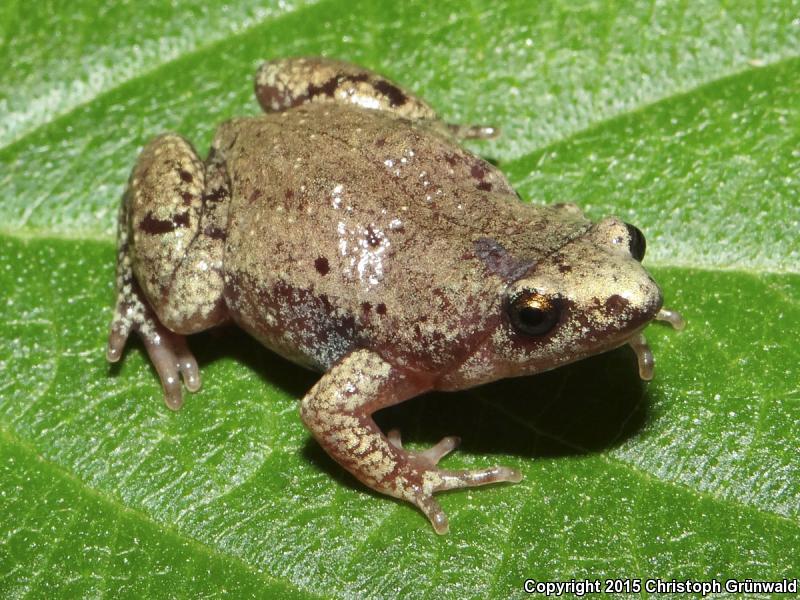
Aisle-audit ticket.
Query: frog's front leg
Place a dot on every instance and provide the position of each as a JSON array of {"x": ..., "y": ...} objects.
[
  {"x": 338, "y": 412},
  {"x": 285, "y": 83},
  {"x": 169, "y": 259}
]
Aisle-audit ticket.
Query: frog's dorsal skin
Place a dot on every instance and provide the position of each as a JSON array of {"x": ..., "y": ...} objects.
[
  {"x": 370, "y": 203},
  {"x": 347, "y": 230}
]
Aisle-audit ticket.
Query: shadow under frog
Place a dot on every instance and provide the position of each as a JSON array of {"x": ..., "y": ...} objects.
[
  {"x": 348, "y": 231},
  {"x": 582, "y": 408}
]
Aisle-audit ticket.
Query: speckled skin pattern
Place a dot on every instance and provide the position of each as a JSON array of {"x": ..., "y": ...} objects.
[{"x": 347, "y": 231}]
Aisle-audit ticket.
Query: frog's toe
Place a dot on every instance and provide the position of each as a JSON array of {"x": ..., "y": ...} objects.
[
  {"x": 173, "y": 360},
  {"x": 473, "y": 132},
  {"x": 187, "y": 364},
  {"x": 432, "y": 455},
  {"x": 452, "y": 480},
  {"x": 644, "y": 356},
  {"x": 431, "y": 509},
  {"x": 394, "y": 437},
  {"x": 440, "y": 480},
  {"x": 165, "y": 361},
  {"x": 444, "y": 447},
  {"x": 673, "y": 317},
  {"x": 116, "y": 344}
]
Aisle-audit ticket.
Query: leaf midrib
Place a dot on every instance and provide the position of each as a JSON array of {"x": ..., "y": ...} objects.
[
  {"x": 25, "y": 234},
  {"x": 677, "y": 93}
]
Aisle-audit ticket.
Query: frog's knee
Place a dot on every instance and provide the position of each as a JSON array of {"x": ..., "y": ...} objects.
[
  {"x": 165, "y": 189},
  {"x": 195, "y": 299},
  {"x": 286, "y": 83}
]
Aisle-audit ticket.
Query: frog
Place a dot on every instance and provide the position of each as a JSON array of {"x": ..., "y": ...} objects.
[{"x": 348, "y": 230}]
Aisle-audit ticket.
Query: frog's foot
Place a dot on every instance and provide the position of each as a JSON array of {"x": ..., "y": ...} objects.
[
  {"x": 167, "y": 350},
  {"x": 639, "y": 344},
  {"x": 473, "y": 132},
  {"x": 673, "y": 317},
  {"x": 644, "y": 356},
  {"x": 430, "y": 480}
]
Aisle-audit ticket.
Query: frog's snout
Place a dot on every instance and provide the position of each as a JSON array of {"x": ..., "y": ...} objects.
[{"x": 631, "y": 310}]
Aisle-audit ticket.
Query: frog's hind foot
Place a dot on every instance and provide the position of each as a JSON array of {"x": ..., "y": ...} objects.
[
  {"x": 441, "y": 480},
  {"x": 167, "y": 350},
  {"x": 433, "y": 479}
]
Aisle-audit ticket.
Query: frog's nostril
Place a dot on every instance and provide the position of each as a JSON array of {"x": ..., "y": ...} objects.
[{"x": 636, "y": 244}]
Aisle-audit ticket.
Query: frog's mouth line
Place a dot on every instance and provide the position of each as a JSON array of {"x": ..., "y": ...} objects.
[{"x": 639, "y": 344}]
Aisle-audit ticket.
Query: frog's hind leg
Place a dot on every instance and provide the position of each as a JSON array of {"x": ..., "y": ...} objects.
[
  {"x": 169, "y": 262},
  {"x": 338, "y": 411},
  {"x": 167, "y": 350},
  {"x": 285, "y": 83},
  {"x": 290, "y": 82}
]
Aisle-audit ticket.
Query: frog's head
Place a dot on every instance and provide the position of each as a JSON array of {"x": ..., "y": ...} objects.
[{"x": 590, "y": 296}]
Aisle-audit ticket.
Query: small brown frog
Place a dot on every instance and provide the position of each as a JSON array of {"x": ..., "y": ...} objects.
[{"x": 347, "y": 231}]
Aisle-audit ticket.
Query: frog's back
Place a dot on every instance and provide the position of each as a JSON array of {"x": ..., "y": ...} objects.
[{"x": 352, "y": 228}]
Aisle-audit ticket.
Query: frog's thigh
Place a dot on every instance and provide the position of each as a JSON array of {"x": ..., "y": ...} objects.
[
  {"x": 284, "y": 83},
  {"x": 338, "y": 411},
  {"x": 177, "y": 265}
]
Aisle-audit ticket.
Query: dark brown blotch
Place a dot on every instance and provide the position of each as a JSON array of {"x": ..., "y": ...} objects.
[
  {"x": 215, "y": 233},
  {"x": 154, "y": 226},
  {"x": 186, "y": 177},
  {"x": 215, "y": 195},
  {"x": 616, "y": 304},
  {"x": 485, "y": 186},
  {"x": 326, "y": 89},
  {"x": 381, "y": 309},
  {"x": 322, "y": 266},
  {"x": 392, "y": 92},
  {"x": 498, "y": 260}
]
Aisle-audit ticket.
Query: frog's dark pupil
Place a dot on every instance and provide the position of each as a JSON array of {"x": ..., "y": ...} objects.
[
  {"x": 532, "y": 318},
  {"x": 637, "y": 244},
  {"x": 533, "y": 314}
]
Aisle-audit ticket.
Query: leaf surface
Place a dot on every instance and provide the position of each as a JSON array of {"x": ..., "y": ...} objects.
[{"x": 681, "y": 118}]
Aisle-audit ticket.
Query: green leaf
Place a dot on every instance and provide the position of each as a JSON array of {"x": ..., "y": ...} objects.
[{"x": 679, "y": 117}]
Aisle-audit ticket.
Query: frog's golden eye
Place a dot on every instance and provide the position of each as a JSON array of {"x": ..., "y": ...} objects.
[
  {"x": 637, "y": 243},
  {"x": 533, "y": 313}
]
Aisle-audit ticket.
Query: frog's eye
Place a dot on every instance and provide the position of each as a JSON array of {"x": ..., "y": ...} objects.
[
  {"x": 637, "y": 243},
  {"x": 533, "y": 313}
]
